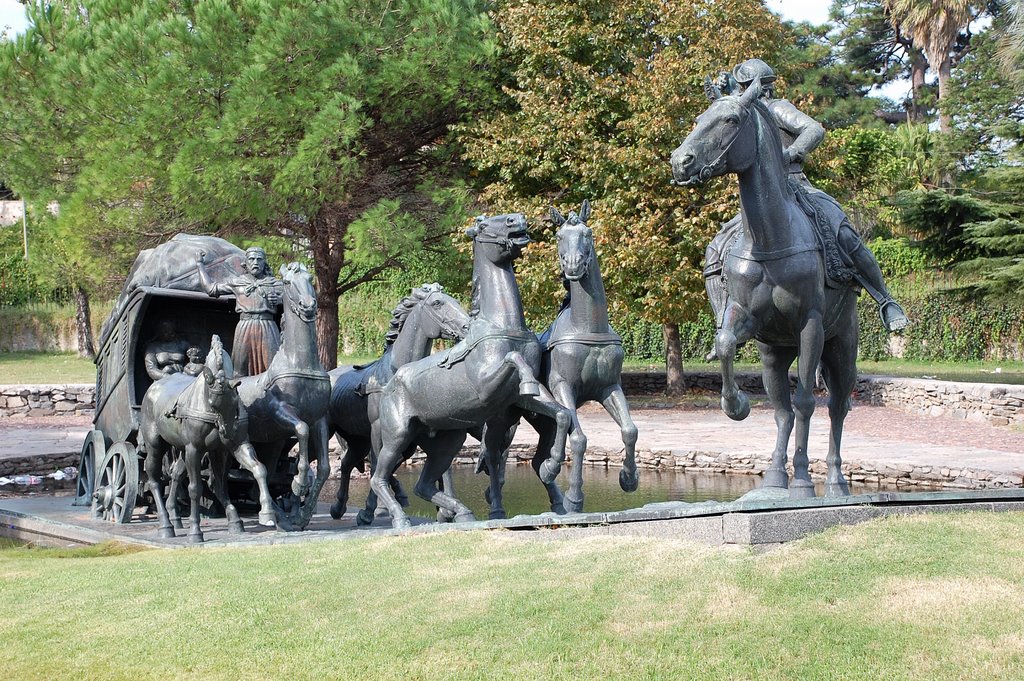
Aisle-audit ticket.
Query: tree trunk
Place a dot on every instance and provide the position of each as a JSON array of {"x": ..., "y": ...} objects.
[
  {"x": 676, "y": 380},
  {"x": 945, "y": 123},
  {"x": 83, "y": 320},
  {"x": 327, "y": 323},
  {"x": 918, "y": 65}
]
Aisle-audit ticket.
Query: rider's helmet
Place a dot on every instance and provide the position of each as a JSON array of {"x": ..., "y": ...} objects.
[{"x": 751, "y": 69}]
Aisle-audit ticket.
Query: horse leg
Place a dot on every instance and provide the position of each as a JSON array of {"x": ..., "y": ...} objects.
[
  {"x": 564, "y": 395},
  {"x": 285, "y": 417},
  {"x": 547, "y": 431},
  {"x": 193, "y": 463},
  {"x": 355, "y": 454},
  {"x": 545, "y": 405},
  {"x": 615, "y": 403},
  {"x": 776, "y": 362},
  {"x": 177, "y": 470},
  {"x": 737, "y": 328},
  {"x": 840, "y": 361},
  {"x": 154, "y": 473},
  {"x": 218, "y": 485},
  {"x": 811, "y": 342},
  {"x": 493, "y": 452},
  {"x": 318, "y": 438},
  {"x": 245, "y": 455},
  {"x": 448, "y": 487},
  {"x": 441, "y": 450},
  {"x": 396, "y": 436}
]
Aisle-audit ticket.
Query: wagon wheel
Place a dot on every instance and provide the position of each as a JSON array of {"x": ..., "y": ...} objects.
[
  {"x": 117, "y": 484},
  {"x": 93, "y": 450}
]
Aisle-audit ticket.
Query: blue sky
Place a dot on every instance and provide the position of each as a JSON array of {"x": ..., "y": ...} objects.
[{"x": 12, "y": 13}]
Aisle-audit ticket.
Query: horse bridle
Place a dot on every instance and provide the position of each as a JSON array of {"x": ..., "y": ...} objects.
[{"x": 716, "y": 166}]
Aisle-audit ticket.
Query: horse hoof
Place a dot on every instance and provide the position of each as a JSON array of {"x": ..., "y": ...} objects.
[
  {"x": 364, "y": 519},
  {"x": 837, "y": 489},
  {"x": 267, "y": 518},
  {"x": 558, "y": 509},
  {"x": 737, "y": 409},
  {"x": 629, "y": 481},
  {"x": 573, "y": 505},
  {"x": 529, "y": 389},
  {"x": 497, "y": 515},
  {"x": 166, "y": 532},
  {"x": 195, "y": 538},
  {"x": 465, "y": 517},
  {"x": 549, "y": 470},
  {"x": 801, "y": 489},
  {"x": 402, "y": 523},
  {"x": 337, "y": 511},
  {"x": 444, "y": 515},
  {"x": 776, "y": 478},
  {"x": 236, "y": 528}
]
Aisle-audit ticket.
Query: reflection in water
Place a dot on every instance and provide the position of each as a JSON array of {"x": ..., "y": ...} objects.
[{"x": 524, "y": 494}]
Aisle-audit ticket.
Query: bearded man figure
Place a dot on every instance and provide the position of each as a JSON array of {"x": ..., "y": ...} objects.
[
  {"x": 258, "y": 294},
  {"x": 800, "y": 134}
]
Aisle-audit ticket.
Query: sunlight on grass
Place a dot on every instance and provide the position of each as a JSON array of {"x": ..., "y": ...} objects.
[
  {"x": 894, "y": 598},
  {"x": 45, "y": 368}
]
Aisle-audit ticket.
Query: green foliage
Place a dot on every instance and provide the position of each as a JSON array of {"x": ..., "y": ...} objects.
[
  {"x": 860, "y": 168},
  {"x": 325, "y": 121},
  {"x": 18, "y": 284},
  {"x": 937, "y": 218},
  {"x": 598, "y": 93},
  {"x": 898, "y": 258}
]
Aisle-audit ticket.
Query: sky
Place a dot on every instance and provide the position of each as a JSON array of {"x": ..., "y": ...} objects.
[{"x": 12, "y": 13}]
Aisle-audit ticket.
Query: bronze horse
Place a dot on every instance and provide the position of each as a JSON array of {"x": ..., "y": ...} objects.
[
  {"x": 776, "y": 280},
  {"x": 289, "y": 400},
  {"x": 485, "y": 378},
  {"x": 425, "y": 315},
  {"x": 199, "y": 415},
  {"x": 582, "y": 361}
]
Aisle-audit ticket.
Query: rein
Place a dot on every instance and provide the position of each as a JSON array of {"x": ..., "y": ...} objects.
[{"x": 454, "y": 358}]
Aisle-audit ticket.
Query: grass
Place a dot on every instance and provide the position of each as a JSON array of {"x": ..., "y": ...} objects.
[
  {"x": 919, "y": 597},
  {"x": 45, "y": 367}
]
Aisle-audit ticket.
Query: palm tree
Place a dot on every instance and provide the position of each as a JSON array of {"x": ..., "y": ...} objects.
[
  {"x": 933, "y": 26},
  {"x": 1011, "y": 42}
]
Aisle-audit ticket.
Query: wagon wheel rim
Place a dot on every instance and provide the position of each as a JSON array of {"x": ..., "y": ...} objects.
[
  {"x": 93, "y": 450},
  {"x": 117, "y": 484}
]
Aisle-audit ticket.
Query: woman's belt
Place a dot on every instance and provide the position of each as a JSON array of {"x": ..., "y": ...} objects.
[{"x": 269, "y": 316}]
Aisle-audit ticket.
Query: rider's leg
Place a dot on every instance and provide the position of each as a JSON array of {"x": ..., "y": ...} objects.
[{"x": 867, "y": 268}]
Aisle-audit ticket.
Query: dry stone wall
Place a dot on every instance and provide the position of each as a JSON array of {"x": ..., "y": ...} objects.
[{"x": 47, "y": 400}]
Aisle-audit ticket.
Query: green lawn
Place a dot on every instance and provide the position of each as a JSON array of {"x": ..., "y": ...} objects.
[
  {"x": 45, "y": 367},
  {"x": 923, "y": 597}
]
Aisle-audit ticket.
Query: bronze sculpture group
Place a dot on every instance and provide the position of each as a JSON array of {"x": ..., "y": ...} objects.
[{"x": 784, "y": 273}]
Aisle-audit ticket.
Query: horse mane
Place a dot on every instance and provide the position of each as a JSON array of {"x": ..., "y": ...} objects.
[
  {"x": 768, "y": 125},
  {"x": 405, "y": 307}
]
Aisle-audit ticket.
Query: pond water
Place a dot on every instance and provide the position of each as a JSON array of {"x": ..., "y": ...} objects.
[{"x": 523, "y": 493}]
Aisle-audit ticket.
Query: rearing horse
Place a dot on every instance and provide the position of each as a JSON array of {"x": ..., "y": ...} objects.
[
  {"x": 775, "y": 277},
  {"x": 484, "y": 378}
]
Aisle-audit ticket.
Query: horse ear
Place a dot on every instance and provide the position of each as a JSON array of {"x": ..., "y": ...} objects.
[
  {"x": 585, "y": 210},
  {"x": 557, "y": 217},
  {"x": 711, "y": 91},
  {"x": 752, "y": 92}
]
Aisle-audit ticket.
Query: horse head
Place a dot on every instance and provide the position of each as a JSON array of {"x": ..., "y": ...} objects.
[
  {"x": 448, "y": 318},
  {"x": 218, "y": 371},
  {"x": 298, "y": 291},
  {"x": 723, "y": 139},
  {"x": 575, "y": 242},
  {"x": 504, "y": 236}
]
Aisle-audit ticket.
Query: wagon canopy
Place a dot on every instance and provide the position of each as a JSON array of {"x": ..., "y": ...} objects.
[{"x": 172, "y": 265}]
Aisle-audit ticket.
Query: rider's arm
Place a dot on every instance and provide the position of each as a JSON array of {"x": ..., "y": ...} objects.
[
  {"x": 807, "y": 132},
  {"x": 212, "y": 288}
]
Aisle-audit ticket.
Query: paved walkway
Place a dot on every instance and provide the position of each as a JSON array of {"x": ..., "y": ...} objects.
[{"x": 874, "y": 437}]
